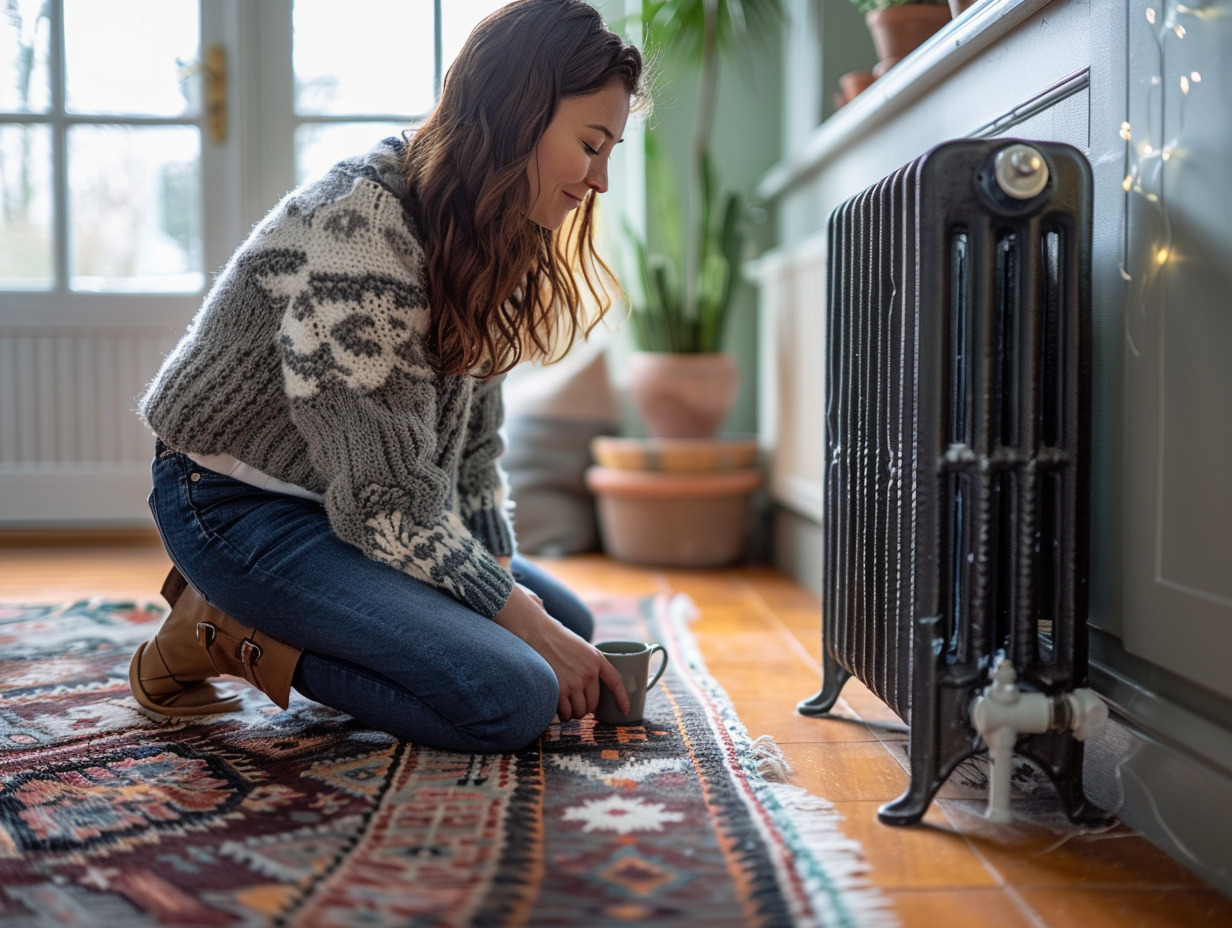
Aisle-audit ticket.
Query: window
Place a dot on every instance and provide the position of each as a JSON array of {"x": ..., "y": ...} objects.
[
  {"x": 370, "y": 73},
  {"x": 99, "y": 146},
  {"x": 105, "y": 156}
]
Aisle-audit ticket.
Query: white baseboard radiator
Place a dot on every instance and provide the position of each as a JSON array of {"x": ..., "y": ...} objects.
[{"x": 957, "y": 461}]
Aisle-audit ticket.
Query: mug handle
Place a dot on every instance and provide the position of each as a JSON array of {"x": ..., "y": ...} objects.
[{"x": 662, "y": 664}]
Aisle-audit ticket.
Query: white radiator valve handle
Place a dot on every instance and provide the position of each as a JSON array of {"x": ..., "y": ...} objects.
[
  {"x": 1088, "y": 714},
  {"x": 1004, "y": 712}
]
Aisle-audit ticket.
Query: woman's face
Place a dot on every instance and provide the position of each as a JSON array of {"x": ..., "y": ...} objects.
[{"x": 571, "y": 157}]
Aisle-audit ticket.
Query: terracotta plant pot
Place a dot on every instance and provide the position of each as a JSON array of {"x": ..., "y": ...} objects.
[
  {"x": 897, "y": 31},
  {"x": 683, "y": 395},
  {"x": 667, "y": 519},
  {"x": 854, "y": 83},
  {"x": 679, "y": 455}
]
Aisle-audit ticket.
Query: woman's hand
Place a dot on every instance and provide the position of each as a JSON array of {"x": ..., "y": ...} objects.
[{"x": 577, "y": 664}]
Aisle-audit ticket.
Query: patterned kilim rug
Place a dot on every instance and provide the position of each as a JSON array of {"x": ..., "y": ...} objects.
[{"x": 112, "y": 817}]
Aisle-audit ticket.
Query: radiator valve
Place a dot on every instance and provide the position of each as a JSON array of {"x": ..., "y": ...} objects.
[
  {"x": 1003, "y": 712},
  {"x": 1021, "y": 171}
]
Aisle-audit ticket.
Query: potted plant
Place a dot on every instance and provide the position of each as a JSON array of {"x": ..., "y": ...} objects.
[
  {"x": 682, "y": 381},
  {"x": 899, "y": 27}
]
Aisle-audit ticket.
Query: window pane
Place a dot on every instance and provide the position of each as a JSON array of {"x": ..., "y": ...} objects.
[
  {"x": 377, "y": 58},
  {"x": 125, "y": 57},
  {"x": 458, "y": 18},
  {"x": 135, "y": 208},
  {"x": 24, "y": 72},
  {"x": 25, "y": 208},
  {"x": 319, "y": 146}
]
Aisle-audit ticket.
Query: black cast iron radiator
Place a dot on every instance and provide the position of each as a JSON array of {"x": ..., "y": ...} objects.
[{"x": 957, "y": 451}]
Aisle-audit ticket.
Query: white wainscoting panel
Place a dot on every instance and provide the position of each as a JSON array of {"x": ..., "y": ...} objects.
[
  {"x": 792, "y": 288},
  {"x": 72, "y": 450}
]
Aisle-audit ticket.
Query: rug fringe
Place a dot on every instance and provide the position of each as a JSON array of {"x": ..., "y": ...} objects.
[
  {"x": 816, "y": 824},
  {"x": 768, "y": 758},
  {"x": 682, "y": 609},
  {"x": 830, "y": 867}
]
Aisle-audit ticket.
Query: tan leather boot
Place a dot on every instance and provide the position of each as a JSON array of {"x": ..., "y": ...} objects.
[{"x": 169, "y": 674}]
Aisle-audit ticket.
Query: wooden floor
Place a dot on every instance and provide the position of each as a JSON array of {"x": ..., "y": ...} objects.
[{"x": 760, "y": 635}]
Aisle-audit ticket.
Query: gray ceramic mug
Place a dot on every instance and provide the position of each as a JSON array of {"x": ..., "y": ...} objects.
[{"x": 632, "y": 660}]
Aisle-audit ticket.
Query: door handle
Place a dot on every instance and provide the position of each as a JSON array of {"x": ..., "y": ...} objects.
[
  {"x": 216, "y": 92},
  {"x": 213, "y": 68}
]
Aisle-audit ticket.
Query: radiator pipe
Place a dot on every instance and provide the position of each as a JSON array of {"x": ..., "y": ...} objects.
[{"x": 1003, "y": 712}]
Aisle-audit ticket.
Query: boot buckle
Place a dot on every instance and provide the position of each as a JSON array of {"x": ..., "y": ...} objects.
[
  {"x": 206, "y": 633},
  {"x": 248, "y": 652}
]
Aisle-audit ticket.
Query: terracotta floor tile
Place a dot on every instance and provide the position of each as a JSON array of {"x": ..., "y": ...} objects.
[
  {"x": 807, "y": 650},
  {"x": 838, "y": 718},
  {"x": 707, "y": 588},
  {"x": 846, "y": 771},
  {"x": 735, "y": 620},
  {"x": 767, "y": 715},
  {"x": 594, "y": 574},
  {"x": 967, "y": 781},
  {"x": 760, "y": 636},
  {"x": 741, "y": 688},
  {"x": 866, "y": 708},
  {"x": 889, "y": 733},
  {"x": 804, "y": 624},
  {"x": 989, "y": 908},
  {"x": 758, "y": 658},
  {"x": 780, "y": 592},
  {"x": 866, "y": 705},
  {"x": 1042, "y": 848},
  {"x": 802, "y": 612},
  {"x": 930, "y": 855},
  {"x": 1139, "y": 908},
  {"x": 56, "y": 574}
]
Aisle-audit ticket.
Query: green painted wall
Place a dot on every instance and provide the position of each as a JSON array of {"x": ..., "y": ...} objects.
[
  {"x": 745, "y": 144},
  {"x": 845, "y": 46}
]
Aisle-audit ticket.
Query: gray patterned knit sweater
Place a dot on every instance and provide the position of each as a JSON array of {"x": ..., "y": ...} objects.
[{"x": 308, "y": 361}]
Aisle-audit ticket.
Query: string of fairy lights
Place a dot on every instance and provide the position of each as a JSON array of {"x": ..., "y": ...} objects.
[{"x": 1150, "y": 145}]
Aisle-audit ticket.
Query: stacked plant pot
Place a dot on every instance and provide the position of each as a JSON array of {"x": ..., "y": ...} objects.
[
  {"x": 897, "y": 27},
  {"x": 675, "y": 502}
]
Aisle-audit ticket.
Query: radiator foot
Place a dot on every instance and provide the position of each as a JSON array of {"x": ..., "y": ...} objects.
[
  {"x": 827, "y": 696},
  {"x": 1081, "y": 811},
  {"x": 908, "y": 808}
]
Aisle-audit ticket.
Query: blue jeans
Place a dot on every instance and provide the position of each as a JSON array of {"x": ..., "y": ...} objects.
[{"x": 394, "y": 652}]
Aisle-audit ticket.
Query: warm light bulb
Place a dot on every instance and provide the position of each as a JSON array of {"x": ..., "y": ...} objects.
[
  {"x": 1150, "y": 15},
  {"x": 1166, "y": 154},
  {"x": 1125, "y": 131},
  {"x": 1195, "y": 77},
  {"x": 1184, "y": 84},
  {"x": 1179, "y": 30},
  {"x": 1127, "y": 184},
  {"x": 1161, "y": 256}
]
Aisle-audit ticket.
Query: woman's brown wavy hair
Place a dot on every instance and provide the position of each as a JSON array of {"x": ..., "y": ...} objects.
[{"x": 501, "y": 287}]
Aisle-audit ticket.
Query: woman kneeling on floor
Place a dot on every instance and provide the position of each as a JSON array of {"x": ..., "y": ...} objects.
[{"x": 326, "y": 476}]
